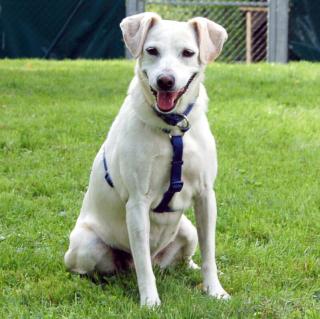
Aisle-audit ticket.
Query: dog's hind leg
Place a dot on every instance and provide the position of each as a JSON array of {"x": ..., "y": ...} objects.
[
  {"x": 182, "y": 248},
  {"x": 87, "y": 253}
]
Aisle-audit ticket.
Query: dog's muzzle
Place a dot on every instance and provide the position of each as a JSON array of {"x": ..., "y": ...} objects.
[{"x": 166, "y": 99}]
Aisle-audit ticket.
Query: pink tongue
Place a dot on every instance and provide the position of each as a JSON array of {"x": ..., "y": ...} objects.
[{"x": 166, "y": 100}]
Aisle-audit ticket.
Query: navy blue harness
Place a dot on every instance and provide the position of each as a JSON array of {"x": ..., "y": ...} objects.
[{"x": 176, "y": 183}]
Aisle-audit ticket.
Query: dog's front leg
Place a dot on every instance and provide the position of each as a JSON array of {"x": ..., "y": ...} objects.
[
  {"x": 138, "y": 224},
  {"x": 206, "y": 214}
]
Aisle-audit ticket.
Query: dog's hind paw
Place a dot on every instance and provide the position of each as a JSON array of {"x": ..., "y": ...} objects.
[{"x": 193, "y": 265}]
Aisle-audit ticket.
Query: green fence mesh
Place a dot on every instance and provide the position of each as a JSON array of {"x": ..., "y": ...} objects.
[
  {"x": 304, "y": 30},
  {"x": 61, "y": 29}
]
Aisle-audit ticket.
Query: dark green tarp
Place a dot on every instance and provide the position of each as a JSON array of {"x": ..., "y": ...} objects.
[
  {"x": 304, "y": 30},
  {"x": 61, "y": 29}
]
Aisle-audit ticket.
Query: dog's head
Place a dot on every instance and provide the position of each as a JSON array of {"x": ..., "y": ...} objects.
[{"x": 171, "y": 54}]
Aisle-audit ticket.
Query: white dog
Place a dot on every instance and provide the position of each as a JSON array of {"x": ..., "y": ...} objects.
[{"x": 138, "y": 188}]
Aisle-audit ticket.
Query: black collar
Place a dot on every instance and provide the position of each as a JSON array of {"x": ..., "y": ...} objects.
[{"x": 173, "y": 119}]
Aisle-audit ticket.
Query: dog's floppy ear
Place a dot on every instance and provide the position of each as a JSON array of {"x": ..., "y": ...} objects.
[
  {"x": 135, "y": 29},
  {"x": 211, "y": 37}
]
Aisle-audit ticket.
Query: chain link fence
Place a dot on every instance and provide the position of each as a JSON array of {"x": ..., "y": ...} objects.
[{"x": 245, "y": 21}]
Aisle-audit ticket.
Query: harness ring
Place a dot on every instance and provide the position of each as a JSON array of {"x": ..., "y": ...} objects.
[{"x": 184, "y": 124}]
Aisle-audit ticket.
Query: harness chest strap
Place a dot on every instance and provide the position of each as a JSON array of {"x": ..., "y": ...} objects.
[{"x": 176, "y": 184}]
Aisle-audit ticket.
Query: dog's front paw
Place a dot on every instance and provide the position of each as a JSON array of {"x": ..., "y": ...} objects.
[
  {"x": 218, "y": 292},
  {"x": 150, "y": 301},
  {"x": 220, "y": 295}
]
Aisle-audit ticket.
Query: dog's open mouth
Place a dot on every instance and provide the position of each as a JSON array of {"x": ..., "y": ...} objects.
[{"x": 167, "y": 100}]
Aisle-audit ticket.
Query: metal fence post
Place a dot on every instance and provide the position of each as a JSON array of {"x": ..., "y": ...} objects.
[
  {"x": 133, "y": 7},
  {"x": 278, "y": 20}
]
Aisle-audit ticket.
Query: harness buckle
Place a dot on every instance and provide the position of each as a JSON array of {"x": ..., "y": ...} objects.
[{"x": 176, "y": 186}]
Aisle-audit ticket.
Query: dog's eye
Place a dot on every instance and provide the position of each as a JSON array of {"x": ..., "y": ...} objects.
[
  {"x": 187, "y": 53},
  {"x": 152, "y": 51}
]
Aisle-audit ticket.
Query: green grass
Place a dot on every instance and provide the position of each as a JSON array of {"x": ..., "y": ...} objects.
[{"x": 266, "y": 119}]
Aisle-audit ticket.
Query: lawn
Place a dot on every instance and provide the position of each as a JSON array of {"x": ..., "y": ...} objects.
[{"x": 266, "y": 120}]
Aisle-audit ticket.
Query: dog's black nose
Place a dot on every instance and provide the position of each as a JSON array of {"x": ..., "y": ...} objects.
[{"x": 165, "y": 82}]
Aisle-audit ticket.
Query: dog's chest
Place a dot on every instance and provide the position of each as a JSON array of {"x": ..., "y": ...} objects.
[{"x": 193, "y": 172}]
